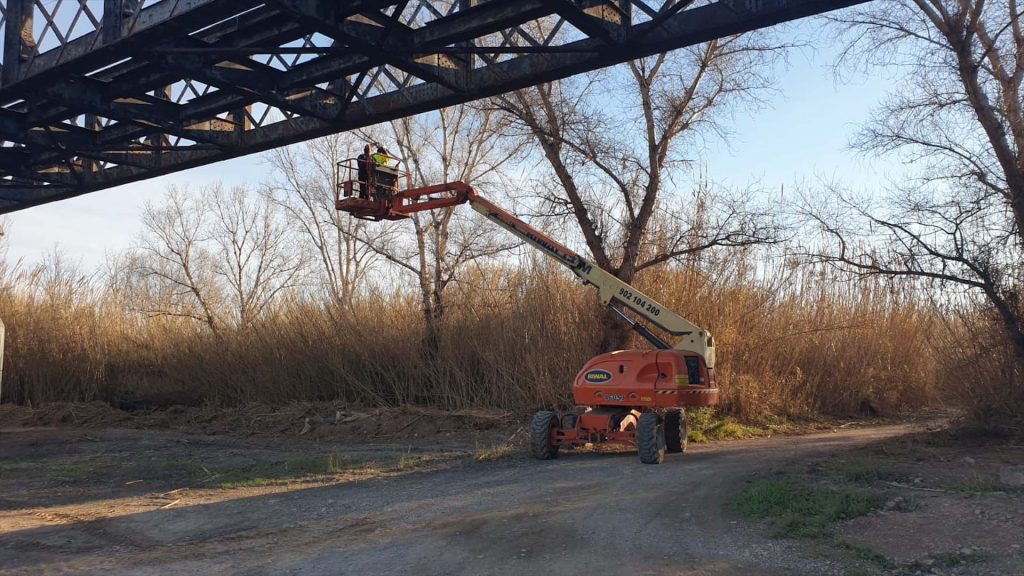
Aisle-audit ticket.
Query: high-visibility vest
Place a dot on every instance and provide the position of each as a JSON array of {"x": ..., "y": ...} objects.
[{"x": 381, "y": 159}]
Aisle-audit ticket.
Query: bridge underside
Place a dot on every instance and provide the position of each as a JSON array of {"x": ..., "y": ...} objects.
[{"x": 98, "y": 93}]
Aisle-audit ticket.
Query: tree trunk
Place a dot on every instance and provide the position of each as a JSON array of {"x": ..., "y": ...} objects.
[
  {"x": 432, "y": 332},
  {"x": 432, "y": 312},
  {"x": 1010, "y": 314},
  {"x": 614, "y": 332},
  {"x": 987, "y": 117}
]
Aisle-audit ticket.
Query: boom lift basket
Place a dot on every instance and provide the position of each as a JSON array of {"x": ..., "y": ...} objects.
[
  {"x": 369, "y": 195},
  {"x": 391, "y": 203}
]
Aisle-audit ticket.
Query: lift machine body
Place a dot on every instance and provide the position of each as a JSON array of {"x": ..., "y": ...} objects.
[{"x": 634, "y": 397}]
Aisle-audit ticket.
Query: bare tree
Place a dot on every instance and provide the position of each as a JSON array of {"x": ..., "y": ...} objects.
[
  {"x": 614, "y": 142},
  {"x": 303, "y": 186},
  {"x": 957, "y": 117},
  {"x": 215, "y": 256},
  {"x": 255, "y": 255},
  {"x": 461, "y": 143},
  {"x": 174, "y": 268}
]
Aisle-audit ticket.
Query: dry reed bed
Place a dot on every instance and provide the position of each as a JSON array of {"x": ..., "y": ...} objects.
[{"x": 800, "y": 344}]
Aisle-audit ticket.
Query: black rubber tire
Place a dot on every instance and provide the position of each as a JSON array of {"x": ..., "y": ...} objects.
[
  {"x": 650, "y": 438},
  {"x": 540, "y": 435},
  {"x": 675, "y": 431}
]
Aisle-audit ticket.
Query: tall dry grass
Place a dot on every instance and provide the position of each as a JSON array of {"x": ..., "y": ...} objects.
[
  {"x": 804, "y": 342},
  {"x": 979, "y": 372},
  {"x": 801, "y": 343}
]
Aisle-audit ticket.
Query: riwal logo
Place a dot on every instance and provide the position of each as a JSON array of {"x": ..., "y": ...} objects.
[{"x": 597, "y": 376}]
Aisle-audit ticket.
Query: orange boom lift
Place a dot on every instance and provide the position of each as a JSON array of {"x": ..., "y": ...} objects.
[{"x": 633, "y": 397}]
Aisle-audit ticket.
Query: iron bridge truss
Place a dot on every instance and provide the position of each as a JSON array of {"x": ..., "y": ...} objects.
[{"x": 99, "y": 93}]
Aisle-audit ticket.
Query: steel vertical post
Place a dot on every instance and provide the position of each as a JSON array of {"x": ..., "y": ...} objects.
[{"x": 19, "y": 42}]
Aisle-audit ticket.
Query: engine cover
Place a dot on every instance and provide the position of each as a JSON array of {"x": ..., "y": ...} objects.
[{"x": 663, "y": 378}]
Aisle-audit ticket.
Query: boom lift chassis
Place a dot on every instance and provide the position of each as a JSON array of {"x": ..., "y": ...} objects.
[{"x": 633, "y": 397}]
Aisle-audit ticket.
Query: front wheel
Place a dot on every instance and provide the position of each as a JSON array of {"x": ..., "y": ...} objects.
[
  {"x": 650, "y": 438},
  {"x": 543, "y": 423},
  {"x": 675, "y": 431}
]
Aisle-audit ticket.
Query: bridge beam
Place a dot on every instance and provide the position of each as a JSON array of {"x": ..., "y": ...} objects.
[
  {"x": 19, "y": 42},
  {"x": 275, "y": 72}
]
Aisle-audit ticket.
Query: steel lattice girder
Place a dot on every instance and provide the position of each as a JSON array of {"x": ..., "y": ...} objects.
[{"x": 154, "y": 87}]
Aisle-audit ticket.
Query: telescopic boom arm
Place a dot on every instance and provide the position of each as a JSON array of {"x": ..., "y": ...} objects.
[{"x": 613, "y": 291}]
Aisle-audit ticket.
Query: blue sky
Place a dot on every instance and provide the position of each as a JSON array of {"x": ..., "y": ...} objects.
[
  {"x": 804, "y": 132},
  {"x": 801, "y": 136}
]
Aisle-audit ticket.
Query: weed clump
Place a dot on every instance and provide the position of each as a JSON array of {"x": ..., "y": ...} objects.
[
  {"x": 802, "y": 511},
  {"x": 707, "y": 424},
  {"x": 284, "y": 472}
]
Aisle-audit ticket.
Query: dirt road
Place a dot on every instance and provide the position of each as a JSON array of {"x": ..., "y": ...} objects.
[{"x": 584, "y": 513}]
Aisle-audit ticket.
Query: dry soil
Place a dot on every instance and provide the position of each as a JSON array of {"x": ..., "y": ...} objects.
[{"x": 113, "y": 501}]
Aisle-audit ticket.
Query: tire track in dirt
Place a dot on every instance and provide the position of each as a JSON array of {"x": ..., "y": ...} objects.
[{"x": 583, "y": 512}]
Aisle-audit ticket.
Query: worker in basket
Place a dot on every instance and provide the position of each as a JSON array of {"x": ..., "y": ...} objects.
[
  {"x": 364, "y": 164},
  {"x": 385, "y": 175}
]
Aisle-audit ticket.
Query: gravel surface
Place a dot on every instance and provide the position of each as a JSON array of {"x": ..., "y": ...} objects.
[{"x": 582, "y": 513}]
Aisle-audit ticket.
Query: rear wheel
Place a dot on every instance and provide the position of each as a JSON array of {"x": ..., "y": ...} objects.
[
  {"x": 543, "y": 422},
  {"x": 675, "y": 431},
  {"x": 650, "y": 438}
]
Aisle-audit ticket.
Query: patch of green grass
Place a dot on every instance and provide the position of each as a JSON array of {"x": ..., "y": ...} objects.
[
  {"x": 700, "y": 418},
  {"x": 799, "y": 510},
  {"x": 29, "y": 460},
  {"x": 257, "y": 482},
  {"x": 65, "y": 468},
  {"x": 75, "y": 470},
  {"x": 695, "y": 435},
  {"x": 954, "y": 559},
  {"x": 859, "y": 471},
  {"x": 725, "y": 429},
  {"x": 493, "y": 453},
  {"x": 705, "y": 425},
  {"x": 868, "y": 555},
  {"x": 730, "y": 429},
  {"x": 856, "y": 560},
  {"x": 411, "y": 461},
  {"x": 285, "y": 472}
]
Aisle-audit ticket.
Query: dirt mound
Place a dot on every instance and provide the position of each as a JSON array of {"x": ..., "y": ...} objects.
[
  {"x": 322, "y": 420},
  {"x": 327, "y": 420},
  {"x": 81, "y": 414}
]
